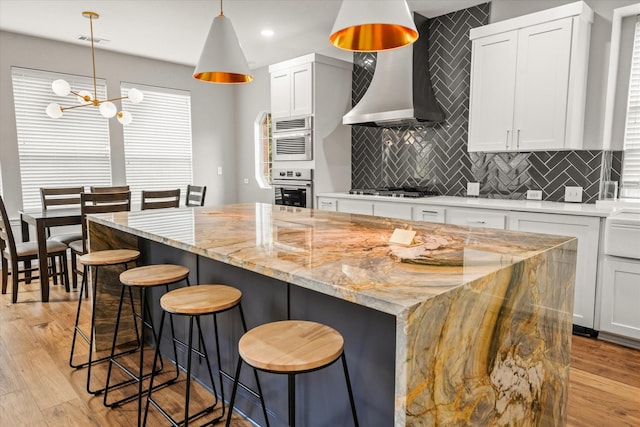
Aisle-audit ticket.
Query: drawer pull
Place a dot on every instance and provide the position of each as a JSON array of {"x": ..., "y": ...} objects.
[
  {"x": 478, "y": 221},
  {"x": 430, "y": 212}
]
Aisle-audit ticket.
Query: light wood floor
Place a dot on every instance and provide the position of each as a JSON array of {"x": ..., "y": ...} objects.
[{"x": 38, "y": 388}]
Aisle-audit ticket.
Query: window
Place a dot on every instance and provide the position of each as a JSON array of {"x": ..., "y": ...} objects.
[
  {"x": 263, "y": 159},
  {"x": 631, "y": 160},
  {"x": 157, "y": 144},
  {"x": 69, "y": 151}
]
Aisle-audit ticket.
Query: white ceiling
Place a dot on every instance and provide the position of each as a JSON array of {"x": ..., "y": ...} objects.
[{"x": 175, "y": 30}]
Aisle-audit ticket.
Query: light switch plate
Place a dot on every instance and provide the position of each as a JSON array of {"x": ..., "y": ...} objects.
[
  {"x": 573, "y": 194},
  {"x": 473, "y": 188},
  {"x": 534, "y": 194}
]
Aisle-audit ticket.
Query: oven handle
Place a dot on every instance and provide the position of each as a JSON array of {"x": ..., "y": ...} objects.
[{"x": 291, "y": 183}]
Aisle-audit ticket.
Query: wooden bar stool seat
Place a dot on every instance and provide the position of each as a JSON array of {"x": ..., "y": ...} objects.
[
  {"x": 154, "y": 275},
  {"x": 109, "y": 257},
  {"x": 291, "y": 347},
  {"x": 196, "y": 301},
  {"x": 143, "y": 278}
]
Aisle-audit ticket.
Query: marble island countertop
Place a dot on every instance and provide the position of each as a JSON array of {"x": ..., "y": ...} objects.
[
  {"x": 342, "y": 255},
  {"x": 542, "y": 206},
  {"x": 478, "y": 320}
]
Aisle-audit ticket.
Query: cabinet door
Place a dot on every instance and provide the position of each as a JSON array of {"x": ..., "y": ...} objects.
[
  {"x": 325, "y": 204},
  {"x": 302, "y": 90},
  {"x": 355, "y": 206},
  {"x": 477, "y": 218},
  {"x": 620, "y": 303},
  {"x": 542, "y": 84},
  {"x": 493, "y": 82},
  {"x": 587, "y": 230},
  {"x": 281, "y": 94},
  {"x": 392, "y": 210},
  {"x": 429, "y": 213}
]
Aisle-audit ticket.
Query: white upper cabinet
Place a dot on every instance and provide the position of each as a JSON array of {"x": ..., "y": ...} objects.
[
  {"x": 528, "y": 81},
  {"x": 292, "y": 91}
]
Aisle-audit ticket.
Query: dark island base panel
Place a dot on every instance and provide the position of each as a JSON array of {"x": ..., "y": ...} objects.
[{"x": 322, "y": 399}]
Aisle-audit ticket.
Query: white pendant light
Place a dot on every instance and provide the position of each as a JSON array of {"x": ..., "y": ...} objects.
[
  {"x": 222, "y": 59},
  {"x": 371, "y": 26}
]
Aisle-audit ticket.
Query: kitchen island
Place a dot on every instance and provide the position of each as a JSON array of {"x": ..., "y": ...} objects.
[{"x": 465, "y": 326}]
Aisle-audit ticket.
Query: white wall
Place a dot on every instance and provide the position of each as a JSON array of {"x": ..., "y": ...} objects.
[
  {"x": 252, "y": 99},
  {"x": 212, "y": 107}
]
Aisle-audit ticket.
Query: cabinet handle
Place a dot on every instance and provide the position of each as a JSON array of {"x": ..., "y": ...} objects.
[
  {"x": 506, "y": 145},
  {"x": 326, "y": 203},
  {"x": 478, "y": 221},
  {"x": 518, "y": 140},
  {"x": 430, "y": 212}
]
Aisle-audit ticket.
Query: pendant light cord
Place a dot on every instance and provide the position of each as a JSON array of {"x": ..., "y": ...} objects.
[
  {"x": 221, "y": 14},
  {"x": 93, "y": 59}
]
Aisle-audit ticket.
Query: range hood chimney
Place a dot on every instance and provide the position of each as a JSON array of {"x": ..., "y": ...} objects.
[{"x": 400, "y": 93}]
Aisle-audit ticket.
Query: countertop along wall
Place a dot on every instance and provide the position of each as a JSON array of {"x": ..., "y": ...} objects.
[
  {"x": 212, "y": 110},
  {"x": 438, "y": 156}
]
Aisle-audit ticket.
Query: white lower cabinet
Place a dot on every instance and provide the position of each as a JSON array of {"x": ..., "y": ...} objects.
[
  {"x": 620, "y": 297},
  {"x": 477, "y": 218},
  {"x": 392, "y": 210},
  {"x": 429, "y": 213},
  {"x": 587, "y": 230},
  {"x": 327, "y": 204},
  {"x": 363, "y": 207}
]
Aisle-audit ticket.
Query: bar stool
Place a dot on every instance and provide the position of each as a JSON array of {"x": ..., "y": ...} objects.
[
  {"x": 96, "y": 260},
  {"x": 142, "y": 278},
  {"x": 291, "y": 347},
  {"x": 196, "y": 301}
]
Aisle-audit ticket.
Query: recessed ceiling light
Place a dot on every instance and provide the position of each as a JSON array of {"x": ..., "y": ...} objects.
[{"x": 267, "y": 33}]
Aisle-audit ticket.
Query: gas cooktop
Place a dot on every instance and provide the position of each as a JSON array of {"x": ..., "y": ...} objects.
[{"x": 405, "y": 191}]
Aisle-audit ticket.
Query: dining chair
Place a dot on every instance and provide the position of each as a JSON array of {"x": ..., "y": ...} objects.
[
  {"x": 110, "y": 189},
  {"x": 195, "y": 195},
  {"x": 22, "y": 252},
  {"x": 158, "y": 199},
  {"x": 91, "y": 203},
  {"x": 62, "y": 197}
]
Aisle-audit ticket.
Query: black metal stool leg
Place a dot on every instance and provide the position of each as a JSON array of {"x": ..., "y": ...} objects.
[
  {"x": 153, "y": 368},
  {"x": 351, "y": 400},
  {"x": 75, "y": 327},
  {"x": 190, "y": 346},
  {"x": 291, "y": 393},
  {"x": 233, "y": 392}
]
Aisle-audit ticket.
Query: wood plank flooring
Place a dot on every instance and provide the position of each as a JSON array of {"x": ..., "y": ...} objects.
[{"x": 38, "y": 388}]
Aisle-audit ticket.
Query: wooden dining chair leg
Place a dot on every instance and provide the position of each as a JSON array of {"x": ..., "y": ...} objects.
[
  {"x": 64, "y": 270},
  {"x": 5, "y": 275},
  {"x": 14, "y": 281},
  {"x": 74, "y": 268}
]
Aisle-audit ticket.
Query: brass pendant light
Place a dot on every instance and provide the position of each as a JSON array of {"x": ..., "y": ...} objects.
[
  {"x": 222, "y": 59},
  {"x": 107, "y": 107},
  {"x": 371, "y": 26}
]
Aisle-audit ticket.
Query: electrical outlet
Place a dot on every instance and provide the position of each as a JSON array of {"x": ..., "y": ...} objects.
[
  {"x": 573, "y": 194},
  {"x": 245, "y": 181},
  {"x": 534, "y": 194},
  {"x": 473, "y": 188},
  {"x": 219, "y": 170}
]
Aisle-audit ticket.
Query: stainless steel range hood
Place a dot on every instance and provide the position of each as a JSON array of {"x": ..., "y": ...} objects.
[{"x": 400, "y": 93}]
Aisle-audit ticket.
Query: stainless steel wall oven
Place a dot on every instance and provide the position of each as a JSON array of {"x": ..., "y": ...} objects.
[
  {"x": 293, "y": 139},
  {"x": 293, "y": 187}
]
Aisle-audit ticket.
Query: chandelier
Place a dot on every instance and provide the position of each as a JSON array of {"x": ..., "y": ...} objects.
[{"x": 107, "y": 107}]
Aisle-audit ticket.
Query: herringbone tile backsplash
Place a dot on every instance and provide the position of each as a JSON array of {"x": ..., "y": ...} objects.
[{"x": 437, "y": 156}]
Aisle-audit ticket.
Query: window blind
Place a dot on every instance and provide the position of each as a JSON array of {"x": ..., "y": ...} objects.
[
  {"x": 631, "y": 160},
  {"x": 157, "y": 144},
  {"x": 72, "y": 150}
]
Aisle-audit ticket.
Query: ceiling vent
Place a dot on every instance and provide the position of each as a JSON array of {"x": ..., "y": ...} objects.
[{"x": 95, "y": 39}]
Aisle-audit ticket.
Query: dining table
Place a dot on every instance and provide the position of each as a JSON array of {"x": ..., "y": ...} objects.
[{"x": 41, "y": 220}]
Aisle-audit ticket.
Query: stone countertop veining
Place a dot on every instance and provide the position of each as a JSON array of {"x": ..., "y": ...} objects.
[
  {"x": 541, "y": 206},
  {"x": 343, "y": 255}
]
